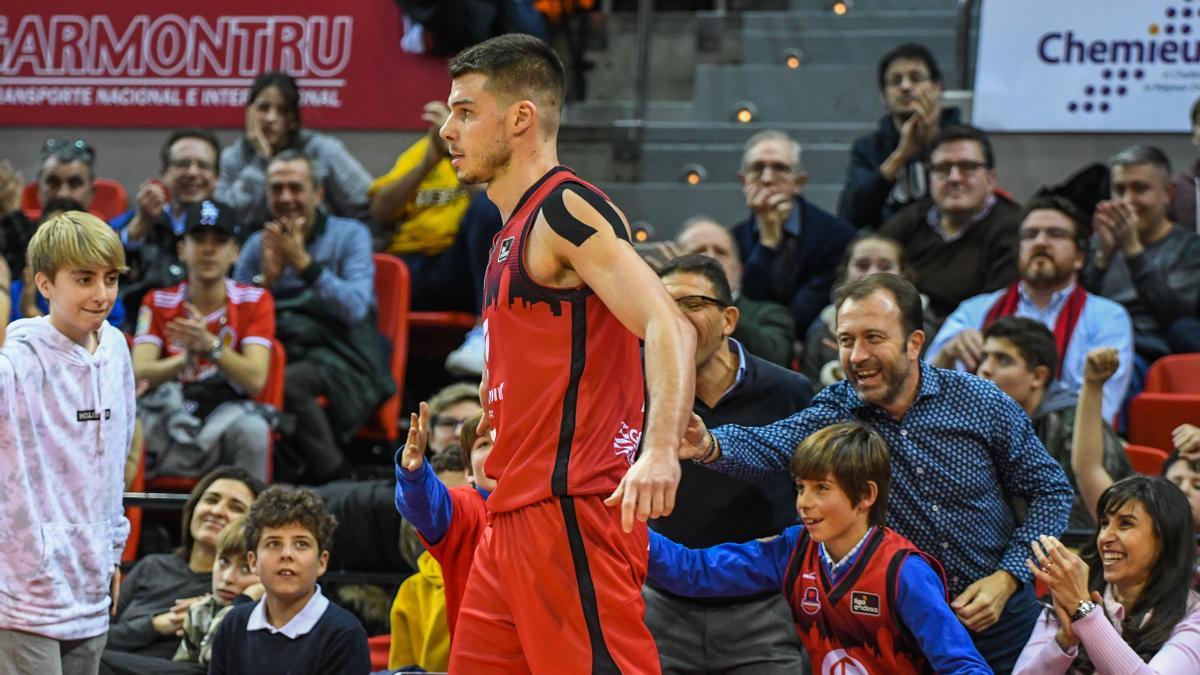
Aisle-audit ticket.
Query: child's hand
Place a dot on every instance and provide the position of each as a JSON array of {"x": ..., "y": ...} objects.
[
  {"x": 170, "y": 622},
  {"x": 418, "y": 439},
  {"x": 1102, "y": 363}
]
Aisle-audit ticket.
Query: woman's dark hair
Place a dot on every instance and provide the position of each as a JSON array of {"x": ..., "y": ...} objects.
[
  {"x": 289, "y": 90},
  {"x": 1165, "y": 597},
  {"x": 227, "y": 472}
]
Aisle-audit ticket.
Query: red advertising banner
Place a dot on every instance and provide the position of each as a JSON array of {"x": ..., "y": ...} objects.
[{"x": 167, "y": 63}]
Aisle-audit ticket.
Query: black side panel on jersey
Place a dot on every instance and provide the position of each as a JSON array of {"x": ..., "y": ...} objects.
[{"x": 571, "y": 228}]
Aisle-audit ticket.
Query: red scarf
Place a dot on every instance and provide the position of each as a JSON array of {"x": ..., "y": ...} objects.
[{"x": 1064, "y": 328}]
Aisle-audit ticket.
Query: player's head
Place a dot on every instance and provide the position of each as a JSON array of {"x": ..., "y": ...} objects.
[
  {"x": 231, "y": 572},
  {"x": 475, "y": 450},
  {"x": 506, "y": 92},
  {"x": 290, "y": 533},
  {"x": 76, "y": 259},
  {"x": 843, "y": 475}
]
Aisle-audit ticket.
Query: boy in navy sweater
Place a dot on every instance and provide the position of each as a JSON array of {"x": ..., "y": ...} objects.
[
  {"x": 294, "y": 629},
  {"x": 864, "y": 598}
]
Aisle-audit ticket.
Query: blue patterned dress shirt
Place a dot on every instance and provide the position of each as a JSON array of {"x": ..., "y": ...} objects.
[{"x": 962, "y": 449}]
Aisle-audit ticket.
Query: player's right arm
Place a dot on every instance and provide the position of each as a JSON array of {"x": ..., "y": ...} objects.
[
  {"x": 725, "y": 570},
  {"x": 421, "y": 497}
]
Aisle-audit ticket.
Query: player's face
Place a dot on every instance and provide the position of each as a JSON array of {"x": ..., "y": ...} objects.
[
  {"x": 872, "y": 256},
  {"x": 191, "y": 174},
  {"x": 479, "y": 454},
  {"x": 230, "y": 576},
  {"x": 475, "y": 131},
  {"x": 80, "y": 298},
  {"x": 223, "y": 501},
  {"x": 1146, "y": 189},
  {"x": 208, "y": 255},
  {"x": 875, "y": 355},
  {"x": 1002, "y": 363},
  {"x": 960, "y": 180},
  {"x": 828, "y": 514},
  {"x": 713, "y": 321},
  {"x": 288, "y": 561},
  {"x": 1188, "y": 480},
  {"x": 65, "y": 180},
  {"x": 713, "y": 240},
  {"x": 1048, "y": 255}
]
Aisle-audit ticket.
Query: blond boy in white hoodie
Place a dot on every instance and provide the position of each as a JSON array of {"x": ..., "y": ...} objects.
[{"x": 66, "y": 423}]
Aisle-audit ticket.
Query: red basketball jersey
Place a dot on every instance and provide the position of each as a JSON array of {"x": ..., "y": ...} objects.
[
  {"x": 565, "y": 385},
  {"x": 851, "y": 626}
]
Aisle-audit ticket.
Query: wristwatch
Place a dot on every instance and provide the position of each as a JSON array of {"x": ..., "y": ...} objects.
[
  {"x": 1085, "y": 607},
  {"x": 218, "y": 347}
]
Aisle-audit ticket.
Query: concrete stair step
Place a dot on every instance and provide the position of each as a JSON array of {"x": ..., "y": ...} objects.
[
  {"x": 855, "y": 6},
  {"x": 855, "y": 20},
  {"x": 733, "y": 132},
  {"x": 780, "y": 94},
  {"x": 851, "y": 47}
]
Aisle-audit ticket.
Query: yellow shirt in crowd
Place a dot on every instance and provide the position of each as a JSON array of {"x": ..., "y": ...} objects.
[{"x": 427, "y": 224}]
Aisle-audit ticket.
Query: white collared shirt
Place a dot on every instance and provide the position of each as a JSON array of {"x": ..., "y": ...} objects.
[{"x": 300, "y": 624}]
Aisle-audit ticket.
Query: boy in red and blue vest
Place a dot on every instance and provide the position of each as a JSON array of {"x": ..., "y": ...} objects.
[{"x": 864, "y": 598}]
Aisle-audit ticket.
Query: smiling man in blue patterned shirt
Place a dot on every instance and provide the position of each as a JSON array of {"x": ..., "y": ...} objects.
[{"x": 960, "y": 449}]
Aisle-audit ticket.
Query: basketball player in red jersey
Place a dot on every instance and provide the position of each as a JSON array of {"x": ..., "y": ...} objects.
[{"x": 556, "y": 582}]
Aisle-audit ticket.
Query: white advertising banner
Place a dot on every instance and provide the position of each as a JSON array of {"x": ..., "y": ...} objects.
[{"x": 1087, "y": 65}]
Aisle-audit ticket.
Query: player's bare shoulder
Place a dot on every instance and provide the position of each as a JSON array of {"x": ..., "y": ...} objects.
[{"x": 571, "y": 221}]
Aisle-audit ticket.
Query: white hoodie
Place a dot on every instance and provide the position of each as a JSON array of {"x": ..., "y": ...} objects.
[{"x": 66, "y": 425}]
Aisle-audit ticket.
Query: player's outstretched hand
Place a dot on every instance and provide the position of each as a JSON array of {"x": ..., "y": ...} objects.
[
  {"x": 648, "y": 488},
  {"x": 418, "y": 439}
]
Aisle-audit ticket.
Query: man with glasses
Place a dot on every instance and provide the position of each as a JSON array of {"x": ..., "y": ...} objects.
[
  {"x": 962, "y": 241},
  {"x": 1051, "y": 253},
  {"x": 789, "y": 247},
  {"x": 733, "y": 386},
  {"x": 153, "y": 228},
  {"x": 887, "y": 166},
  {"x": 65, "y": 172}
]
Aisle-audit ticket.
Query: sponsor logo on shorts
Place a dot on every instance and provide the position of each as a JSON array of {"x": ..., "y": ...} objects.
[
  {"x": 810, "y": 602},
  {"x": 864, "y": 603}
]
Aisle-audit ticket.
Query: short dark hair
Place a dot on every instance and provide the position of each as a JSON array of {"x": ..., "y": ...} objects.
[
  {"x": 519, "y": 66},
  {"x": 912, "y": 315},
  {"x": 855, "y": 455},
  {"x": 710, "y": 269},
  {"x": 281, "y": 505},
  {"x": 1141, "y": 154},
  {"x": 288, "y": 89},
  {"x": 191, "y": 132},
  {"x": 1192, "y": 463},
  {"x": 1050, "y": 202},
  {"x": 294, "y": 155},
  {"x": 965, "y": 132},
  {"x": 1032, "y": 339},
  {"x": 221, "y": 472},
  {"x": 909, "y": 50}
]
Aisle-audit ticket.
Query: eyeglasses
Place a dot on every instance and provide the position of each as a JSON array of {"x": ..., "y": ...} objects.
[
  {"x": 777, "y": 168},
  {"x": 448, "y": 422},
  {"x": 965, "y": 168},
  {"x": 898, "y": 79},
  {"x": 695, "y": 303},
  {"x": 69, "y": 150},
  {"x": 1031, "y": 233},
  {"x": 185, "y": 164}
]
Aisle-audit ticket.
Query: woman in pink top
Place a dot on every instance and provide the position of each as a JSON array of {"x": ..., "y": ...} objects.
[{"x": 1131, "y": 611}]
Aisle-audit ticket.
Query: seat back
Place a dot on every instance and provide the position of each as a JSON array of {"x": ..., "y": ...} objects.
[
  {"x": 109, "y": 199},
  {"x": 1174, "y": 374},
  {"x": 392, "y": 284},
  {"x": 1153, "y": 416},
  {"x": 1146, "y": 460}
]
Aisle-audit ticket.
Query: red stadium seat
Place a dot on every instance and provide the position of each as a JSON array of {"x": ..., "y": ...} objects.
[
  {"x": 1146, "y": 460},
  {"x": 380, "y": 646},
  {"x": 392, "y": 286},
  {"x": 134, "y": 513},
  {"x": 1153, "y": 416},
  {"x": 108, "y": 199},
  {"x": 436, "y": 334},
  {"x": 1175, "y": 374}
]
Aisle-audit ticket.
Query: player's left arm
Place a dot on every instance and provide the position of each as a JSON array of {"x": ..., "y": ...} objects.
[{"x": 591, "y": 237}]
